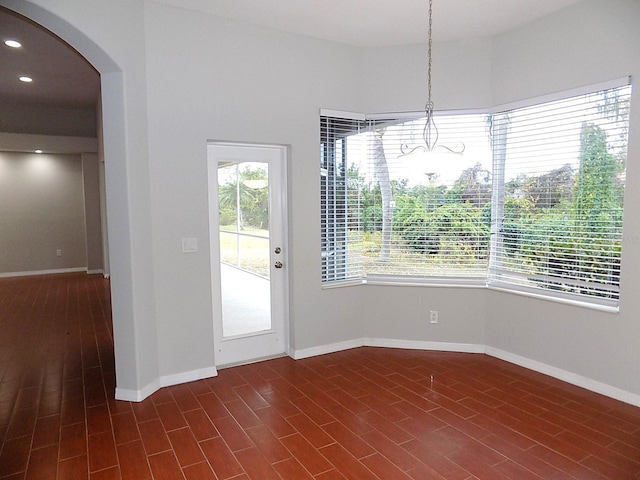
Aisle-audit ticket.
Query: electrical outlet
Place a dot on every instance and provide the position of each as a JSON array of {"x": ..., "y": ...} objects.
[
  {"x": 433, "y": 316},
  {"x": 58, "y": 253}
]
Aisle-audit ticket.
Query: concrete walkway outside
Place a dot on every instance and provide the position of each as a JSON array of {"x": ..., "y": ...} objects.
[{"x": 246, "y": 302}]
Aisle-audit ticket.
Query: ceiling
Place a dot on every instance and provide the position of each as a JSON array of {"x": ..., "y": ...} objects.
[
  {"x": 379, "y": 23},
  {"x": 63, "y": 78}
]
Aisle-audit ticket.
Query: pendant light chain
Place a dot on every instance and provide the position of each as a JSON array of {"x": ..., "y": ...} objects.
[
  {"x": 430, "y": 132},
  {"x": 429, "y": 102}
]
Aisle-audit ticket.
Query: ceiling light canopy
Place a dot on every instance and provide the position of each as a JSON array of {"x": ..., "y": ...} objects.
[{"x": 12, "y": 43}]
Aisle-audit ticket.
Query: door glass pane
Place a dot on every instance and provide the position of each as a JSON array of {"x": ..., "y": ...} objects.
[
  {"x": 255, "y": 255},
  {"x": 243, "y": 199},
  {"x": 228, "y": 248}
]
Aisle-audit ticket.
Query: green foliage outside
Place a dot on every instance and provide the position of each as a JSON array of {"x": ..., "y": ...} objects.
[
  {"x": 556, "y": 224},
  {"x": 244, "y": 222},
  {"x": 435, "y": 228},
  {"x": 254, "y": 199}
]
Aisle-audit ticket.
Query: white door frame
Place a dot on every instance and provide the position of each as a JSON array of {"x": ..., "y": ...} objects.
[{"x": 279, "y": 278}]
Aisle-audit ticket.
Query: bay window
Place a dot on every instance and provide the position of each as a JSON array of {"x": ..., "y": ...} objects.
[{"x": 527, "y": 198}]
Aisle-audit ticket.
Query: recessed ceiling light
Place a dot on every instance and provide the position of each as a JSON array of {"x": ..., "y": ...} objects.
[
  {"x": 38, "y": 151},
  {"x": 25, "y": 79},
  {"x": 12, "y": 43}
]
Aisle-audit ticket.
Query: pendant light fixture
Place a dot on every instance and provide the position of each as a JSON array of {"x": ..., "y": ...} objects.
[{"x": 430, "y": 131}]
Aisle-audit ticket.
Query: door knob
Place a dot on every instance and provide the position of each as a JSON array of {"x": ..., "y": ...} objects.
[{"x": 278, "y": 264}]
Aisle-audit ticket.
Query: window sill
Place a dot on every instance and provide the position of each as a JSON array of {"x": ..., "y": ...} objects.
[
  {"x": 409, "y": 282},
  {"x": 465, "y": 283},
  {"x": 564, "y": 301},
  {"x": 437, "y": 282}
]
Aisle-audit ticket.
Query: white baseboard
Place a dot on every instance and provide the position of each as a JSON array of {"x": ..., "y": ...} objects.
[
  {"x": 129, "y": 395},
  {"x": 387, "y": 343},
  {"x": 424, "y": 345},
  {"x": 42, "y": 272},
  {"x": 566, "y": 376},
  {"x": 165, "y": 381},
  {"x": 324, "y": 349},
  {"x": 191, "y": 376},
  {"x": 94, "y": 272}
]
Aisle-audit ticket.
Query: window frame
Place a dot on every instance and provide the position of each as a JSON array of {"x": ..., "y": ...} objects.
[{"x": 498, "y": 199}]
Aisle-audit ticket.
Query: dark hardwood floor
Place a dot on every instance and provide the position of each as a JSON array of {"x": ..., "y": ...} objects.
[{"x": 361, "y": 414}]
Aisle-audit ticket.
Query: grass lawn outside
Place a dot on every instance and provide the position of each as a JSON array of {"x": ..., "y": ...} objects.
[{"x": 253, "y": 254}]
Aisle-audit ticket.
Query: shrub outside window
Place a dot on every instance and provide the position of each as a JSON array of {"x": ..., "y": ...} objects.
[{"x": 528, "y": 198}]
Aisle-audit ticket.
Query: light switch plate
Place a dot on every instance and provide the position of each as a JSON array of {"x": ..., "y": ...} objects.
[{"x": 189, "y": 245}]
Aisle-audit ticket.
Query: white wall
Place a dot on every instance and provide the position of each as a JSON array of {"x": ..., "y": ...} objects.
[
  {"x": 396, "y": 82},
  {"x": 92, "y": 211},
  {"x": 43, "y": 197},
  {"x": 224, "y": 80},
  {"x": 592, "y": 42},
  {"x": 396, "y": 77},
  {"x": 110, "y": 35},
  {"x": 41, "y": 212},
  {"x": 228, "y": 81}
]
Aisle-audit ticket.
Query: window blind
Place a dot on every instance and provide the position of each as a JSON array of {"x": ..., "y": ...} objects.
[
  {"x": 529, "y": 199},
  {"x": 559, "y": 171},
  {"x": 340, "y": 210},
  {"x": 426, "y": 214},
  {"x": 390, "y": 210}
]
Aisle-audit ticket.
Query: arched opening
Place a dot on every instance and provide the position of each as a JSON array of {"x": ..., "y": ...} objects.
[{"x": 112, "y": 138}]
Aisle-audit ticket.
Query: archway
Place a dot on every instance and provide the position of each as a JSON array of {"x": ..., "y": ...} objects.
[{"x": 114, "y": 150}]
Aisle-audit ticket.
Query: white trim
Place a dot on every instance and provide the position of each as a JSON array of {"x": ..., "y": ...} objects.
[
  {"x": 128, "y": 395},
  {"x": 190, "y": 376},
  {"x": 324, "y": 349},
  {"x": 440, "y": 282},
  {"x": 165, "y": 381},
  {"x": 424, "y": 345},
  {"x": 456, "y": 282},
  {"x": 43, "y": 272},
  {"x": 421, "y": 114},
  {"x": 566, "y": 376},
  {"x": 387, "y": 343},
  {"x": 325, "y": 112},
  {"x": 562, "y": 94},
  {"x": 95, "y": 272},
  {"x": 518, "y": 290},
  {"x": 277, "y": 340},
  {"x": 352, "y": 282}
]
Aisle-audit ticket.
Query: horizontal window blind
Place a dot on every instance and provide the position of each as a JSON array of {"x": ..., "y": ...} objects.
[
  {"x": 340, "y": 209},
  {"x": 426, "y": 214},
  {"x": 391, "y": 209},
  {"x": 529, "y": 199},
  {"x": 560, "y": 173}
]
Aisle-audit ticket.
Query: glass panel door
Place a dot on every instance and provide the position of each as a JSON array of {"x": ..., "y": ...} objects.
[
  {"x": 243, "y": 201},
  {"x": 247, "y": 225}
]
